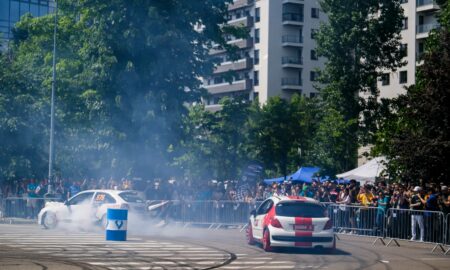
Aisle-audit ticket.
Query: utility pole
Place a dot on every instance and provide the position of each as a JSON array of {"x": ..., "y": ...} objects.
[{"x": 51, "y": 155}]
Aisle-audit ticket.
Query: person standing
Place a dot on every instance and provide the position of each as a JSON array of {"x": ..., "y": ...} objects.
[
  {"x": 416, "y": 205},
  {"x": 32, "y": 198}
]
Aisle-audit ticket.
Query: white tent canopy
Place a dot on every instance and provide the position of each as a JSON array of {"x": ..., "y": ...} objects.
[{"x": 367, "y": 172}]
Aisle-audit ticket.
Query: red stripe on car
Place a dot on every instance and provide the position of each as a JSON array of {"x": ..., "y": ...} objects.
[{"x": 308, "y": 233}]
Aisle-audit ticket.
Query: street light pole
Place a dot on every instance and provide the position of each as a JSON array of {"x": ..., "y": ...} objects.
[{"x": 52, "y": 110}]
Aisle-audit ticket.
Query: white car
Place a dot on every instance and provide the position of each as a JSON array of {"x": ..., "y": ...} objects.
[
  {"x": 291, "y": 221},
  {"x": 89, "y": 207}
]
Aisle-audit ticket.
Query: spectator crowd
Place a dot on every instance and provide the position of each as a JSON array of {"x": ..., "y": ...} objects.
[
  {"x": 361, "y": 209},
  {"x": 381, "y": 195}
]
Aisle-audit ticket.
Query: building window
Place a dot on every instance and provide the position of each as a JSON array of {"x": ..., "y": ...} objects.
[
  {"x": 314, "y": 55},
  {"x": 256, "y": 58},
  {"x": 403, "y": 77},
  {"x": 257, "y": 15},
  {"x": 404, "y": 49},
  {"x": 315, "y": 13},
  {"x": 405, "y": 23},
  {"x": 313, "y": 76},
  {"x": 256, "y": 78},
  {"x": 256, "y": 36},
  {"x": 313, "y": 33},
  {"x": 421, "y": 50},
  {"x": 385, "y": 79}
]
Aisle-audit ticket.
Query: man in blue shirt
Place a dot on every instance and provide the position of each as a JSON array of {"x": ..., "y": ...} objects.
[{"x": 74, "y": 189}]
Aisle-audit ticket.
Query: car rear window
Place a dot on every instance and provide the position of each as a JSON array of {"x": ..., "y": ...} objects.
[
  {"x": 131, "y": 197},
  {"x": 299, "y": 209}
]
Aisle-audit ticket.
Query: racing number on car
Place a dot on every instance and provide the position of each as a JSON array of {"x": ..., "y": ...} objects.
[{"x": 100, "y": 197}]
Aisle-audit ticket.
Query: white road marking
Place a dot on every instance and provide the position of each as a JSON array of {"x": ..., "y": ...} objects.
[{"x": 147, "y": 254}]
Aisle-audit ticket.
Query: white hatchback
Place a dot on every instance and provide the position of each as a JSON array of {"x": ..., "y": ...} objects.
[
  {"x": 291, "y": 221},
  {"x": 89, "y": 207}
]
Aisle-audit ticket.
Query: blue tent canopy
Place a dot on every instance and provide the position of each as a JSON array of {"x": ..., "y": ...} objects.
[
  {"x": 274, "y": 180},
  {"x": 304, "y": 174}
]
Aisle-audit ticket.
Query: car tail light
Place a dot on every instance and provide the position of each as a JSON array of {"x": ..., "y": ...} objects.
[
  {"x": 275, "y": 223},
  {"x": 328, "y": 225}
]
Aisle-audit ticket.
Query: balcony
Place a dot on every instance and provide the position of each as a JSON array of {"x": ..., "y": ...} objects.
[
  {"x": 291, "y": 62},
  {"x": 293, "y": 2},
  {"x": 423, "y": 30},
  {"x": 291, "y": 84},
  {"x": 237, "y": 4},
  {"x": 243, "y": 22},
  {"x": 241, "y": 64},
  {"x": 242, "y": 85},
  {"x": 292, "y": 41},
  {"x": 240, "y": 43},
  {"x": 292, "y": 18},
  {"x": 426, "y": 5}
]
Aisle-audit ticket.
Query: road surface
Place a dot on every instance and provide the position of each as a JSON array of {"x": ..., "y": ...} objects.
[{"x": 31, "y": 247}]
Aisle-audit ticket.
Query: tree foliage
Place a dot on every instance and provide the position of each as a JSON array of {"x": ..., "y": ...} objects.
[
  {"x": 415, "y": 134},
  {"x": 125, "y": 70},
  {"x": 360, "y": 40}
]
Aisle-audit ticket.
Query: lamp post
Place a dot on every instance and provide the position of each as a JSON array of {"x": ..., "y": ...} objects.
[{"x": 52, "y": 110}]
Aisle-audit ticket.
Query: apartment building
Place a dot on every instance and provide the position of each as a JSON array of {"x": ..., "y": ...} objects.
[
  {"x": 12, "y": 10},
  {"x": 420, "y": 19},
  {"x": 279, "y": 57}
]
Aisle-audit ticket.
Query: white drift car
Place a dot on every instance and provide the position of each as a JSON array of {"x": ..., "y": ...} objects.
[{"x": 89, "y": 207}]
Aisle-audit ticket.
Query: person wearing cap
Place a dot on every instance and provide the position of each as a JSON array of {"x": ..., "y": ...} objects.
[{"x": 416, "y": 204}]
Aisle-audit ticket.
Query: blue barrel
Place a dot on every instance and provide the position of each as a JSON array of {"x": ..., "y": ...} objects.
[{"x": 116, "y": 229}]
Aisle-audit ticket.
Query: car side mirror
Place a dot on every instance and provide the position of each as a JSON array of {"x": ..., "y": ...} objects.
[{"x": 253, "y": 213}]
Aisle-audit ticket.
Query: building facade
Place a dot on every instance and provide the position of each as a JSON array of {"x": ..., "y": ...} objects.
[
  {"x": 420, "y": 19},
  {"x": 279, "y": 57},
  {"x": 12, "y": 10}
]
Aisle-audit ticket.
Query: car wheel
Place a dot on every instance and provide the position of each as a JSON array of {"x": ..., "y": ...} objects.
[
  {"x": 249, "y": 234},
  {"x": 49, "y": 220},
  {"x": 266, "y": 241}
]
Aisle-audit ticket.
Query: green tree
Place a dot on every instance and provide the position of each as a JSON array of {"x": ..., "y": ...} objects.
[
  {"x": 272, "y": 134},
  {"x": 214, "y": 144},
  {"x": 360, "y": 39},
  {"x": 415, "y": 133},
  {"x": 125, "y": 70}
]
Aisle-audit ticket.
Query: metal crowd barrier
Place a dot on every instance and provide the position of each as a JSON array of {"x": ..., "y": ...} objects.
[
  {"x": 394, "y": 224},
  {"x": 424, "y": 226},
  {"x": 447, "y": 233},
  {"x": 212, "y": 213},
  {"x": 21, "y": 207},
  {"x": 357, "y": 220}
]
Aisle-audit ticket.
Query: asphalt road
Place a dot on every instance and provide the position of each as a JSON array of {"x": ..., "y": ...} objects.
[{"x": 30, "y": 247}]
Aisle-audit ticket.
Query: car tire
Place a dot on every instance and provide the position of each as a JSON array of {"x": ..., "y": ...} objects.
[
  {"x": 266, "y": 241},
  {"x": 49, "y": 220},
  {"x": 249, "y": 234}
]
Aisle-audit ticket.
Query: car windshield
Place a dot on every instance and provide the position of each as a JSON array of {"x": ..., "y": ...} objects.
[
  {"x": 299, "y": 209},
  {"x": 131, "y": 197}
]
